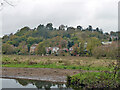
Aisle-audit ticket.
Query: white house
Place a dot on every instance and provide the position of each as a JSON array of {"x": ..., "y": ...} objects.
[
  {"x": 55, "y": 49},
  {"x": 106, "y": 43}
]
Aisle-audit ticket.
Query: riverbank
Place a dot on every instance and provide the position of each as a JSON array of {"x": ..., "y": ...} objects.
[{"x": 45, "y": 74}]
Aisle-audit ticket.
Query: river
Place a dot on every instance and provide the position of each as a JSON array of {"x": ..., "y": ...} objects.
[{"x": 38, "y": 85}]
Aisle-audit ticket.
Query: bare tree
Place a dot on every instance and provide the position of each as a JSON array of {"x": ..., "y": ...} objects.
[{"x": 5, "y": 2}]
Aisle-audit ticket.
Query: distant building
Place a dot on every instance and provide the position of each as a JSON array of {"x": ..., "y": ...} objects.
[
  {"x": 32, "y": 48},
  {"x": 55, "y": 49},
  {"x": 48, "y": 50},
  {"x": 106, "y": 43},
  {"x": 71, "y": 49},
  {"x": 51, "y": 50}
]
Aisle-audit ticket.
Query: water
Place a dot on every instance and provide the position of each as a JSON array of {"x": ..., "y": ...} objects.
[{"x": 22, "y": 83}]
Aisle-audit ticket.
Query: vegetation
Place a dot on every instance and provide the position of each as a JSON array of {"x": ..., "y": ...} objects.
[
  {"x": 94, "y": 80},
  {"x": 84, "y": 41},
  {"x": 83, "y": 63}
]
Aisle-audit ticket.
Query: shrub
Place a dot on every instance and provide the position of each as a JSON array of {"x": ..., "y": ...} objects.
[
  {"x": 108, "y": 51},
  {"x": 93, "y": 80}
]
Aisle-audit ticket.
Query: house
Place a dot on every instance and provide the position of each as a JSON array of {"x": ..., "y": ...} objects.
[
  {"x": 106, "y": 43},
  {"x": 32, "y": 48},
  {"x": 55, "y": 49},
  {"x": 48, "y": 50},
  {"x": 71, "y": 49},
  {"x": 51, "y": 50}
]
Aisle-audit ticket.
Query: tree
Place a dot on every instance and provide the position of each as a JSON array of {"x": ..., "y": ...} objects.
[
  {"x": 40, "y": 27},
  {"x": 97, "y": 29},
  {"x": 8, "y": 49},
  {"x": 30, "y": 40},
  {"x": 63, "y": 43},
  {"x": 70, "y": 44},
  {"x": 23, "y": 48},
  {"x": 81, "y": 49},
  {"x": 49, "y": 26},
  {"x": 22, "y": 31},
  {"x": 92, "y": 43},
  {"x": 90, "y": 28},
  {"x": 5, "y": 38},
  {"x": 61, "y": 27},
  {"x": 40, "y": 49},
  {"x": 70, "y": 28},
  {"x": 79, "y": 27},
  {"x": 110, "y": 39}
]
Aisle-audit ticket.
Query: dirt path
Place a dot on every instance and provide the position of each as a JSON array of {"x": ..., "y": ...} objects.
[{"x": 46, "y": 74}]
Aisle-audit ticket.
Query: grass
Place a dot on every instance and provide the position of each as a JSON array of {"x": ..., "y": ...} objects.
[
  {"x": 93, "y": 80},
  {"x": 59, "y": 67},
  {"x": 61, "y": 62}
]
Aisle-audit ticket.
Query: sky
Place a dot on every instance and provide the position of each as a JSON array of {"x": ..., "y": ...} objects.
[{"x": 98, "y": 13}]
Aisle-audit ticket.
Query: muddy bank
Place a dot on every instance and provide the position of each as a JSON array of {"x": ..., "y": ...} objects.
[{"x": 45, "y": 74}]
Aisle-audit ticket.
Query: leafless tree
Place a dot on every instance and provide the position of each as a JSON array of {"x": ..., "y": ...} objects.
[
  {"x": 3, "y": 2},
  {"x": 6, "y": 1}
]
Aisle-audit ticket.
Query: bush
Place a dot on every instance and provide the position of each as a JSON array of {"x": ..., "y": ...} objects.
[
  {"x": 108, "y": 51},
  {"x": 93, "y": 80}
]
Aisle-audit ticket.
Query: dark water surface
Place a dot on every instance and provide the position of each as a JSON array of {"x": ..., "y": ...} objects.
[{"x": 22, "y": 83}]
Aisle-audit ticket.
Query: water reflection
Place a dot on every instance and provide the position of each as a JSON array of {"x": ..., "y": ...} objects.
[{"x": 40, "y": 84}]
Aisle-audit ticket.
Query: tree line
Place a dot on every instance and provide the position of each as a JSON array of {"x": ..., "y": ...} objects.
[{"x": 63, "y": 37}]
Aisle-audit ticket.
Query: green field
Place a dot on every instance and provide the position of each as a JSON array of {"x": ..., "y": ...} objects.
[{"x": 62, "y": 62}]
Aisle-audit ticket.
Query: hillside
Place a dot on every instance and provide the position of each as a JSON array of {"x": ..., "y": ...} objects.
[{"x": 47, "y": 36}]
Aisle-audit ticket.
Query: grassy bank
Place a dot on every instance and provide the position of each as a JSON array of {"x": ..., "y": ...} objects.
[
  {"x": 94, "y": 80},
  {"x": 62, "y": 62}
]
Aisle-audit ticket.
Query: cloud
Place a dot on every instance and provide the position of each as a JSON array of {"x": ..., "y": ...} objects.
[{"x": 99, "y": 13}]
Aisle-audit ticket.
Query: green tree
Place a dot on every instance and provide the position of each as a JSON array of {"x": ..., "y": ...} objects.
[
  {"x": 79, "y": 27},
  {"x": 40, "y": 49},
  {"x": 22, "y": 48},
  {"x": 90, "y": 28},
  {"x": 8, "y": 49},
  {"x": 49, "y": 26},
  {"x": 40, "y": 27},
  {"x": 22, "y": 31},
  {"x": 30, "y": 40},
  {"x": 92, "y": 43}
]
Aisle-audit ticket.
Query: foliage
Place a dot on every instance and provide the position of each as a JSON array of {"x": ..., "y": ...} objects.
[
  {"x": 93, "y": 80},
  {"x": 22, "y": 48},
  {"x": 8, "y": 49},
  {"x": 71, "y": 38},
  {"x": 41, "y": 48},
  {"x": 109, "y": 51}
]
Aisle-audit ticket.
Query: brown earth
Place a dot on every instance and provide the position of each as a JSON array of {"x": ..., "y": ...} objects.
[{"x": 46, "y": 74}]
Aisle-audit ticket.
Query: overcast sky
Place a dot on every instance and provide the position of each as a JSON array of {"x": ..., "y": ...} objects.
[{"x": 98, "y": 13}]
